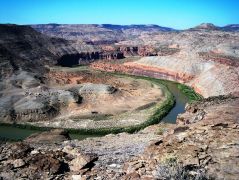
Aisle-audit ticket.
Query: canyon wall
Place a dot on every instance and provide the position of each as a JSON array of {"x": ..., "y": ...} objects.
[
  {"x": 154, "y": 72},
  {"x": 206, "y": 77}
]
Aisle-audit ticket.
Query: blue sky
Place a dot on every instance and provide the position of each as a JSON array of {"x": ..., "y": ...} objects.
[{"x": 178, "y": 14}]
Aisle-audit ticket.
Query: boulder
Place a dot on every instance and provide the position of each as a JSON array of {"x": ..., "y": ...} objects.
[
  {"x": 82, "y": 161},
  {"x": 18, "y": 163}
]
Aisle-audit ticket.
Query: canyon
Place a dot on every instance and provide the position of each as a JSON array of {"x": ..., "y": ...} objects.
[{"x": 55, "y": 75}]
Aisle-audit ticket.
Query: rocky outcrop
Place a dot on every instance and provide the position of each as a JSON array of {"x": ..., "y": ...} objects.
[
  {"x": 129, "y": 51},
  {"x": 28, "y": 163},
  {"x": 206, "y": 137},
  {"x": 101, "y": 157},
  {"x": 37, "y": 157},
  {"x": 21, "y": 160},
  {"x": 114, "y": 53}
]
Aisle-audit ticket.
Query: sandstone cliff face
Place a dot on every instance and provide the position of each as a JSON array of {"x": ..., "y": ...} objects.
[
  {"x": 220, "y": 58},
  {"x": 207, "y": 78},
  {"x": 134, "y": 69},
  {"x": 205, "y": 58}
]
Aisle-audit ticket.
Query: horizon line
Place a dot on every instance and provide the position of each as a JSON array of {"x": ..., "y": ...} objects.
[{"x": 117, "y": 24}]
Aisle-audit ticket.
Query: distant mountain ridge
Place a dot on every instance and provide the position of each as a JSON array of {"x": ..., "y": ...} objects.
[
  {"x": 104, "y": 32},
  {"x": 210, "y": 26},
  {"x": 145, "y": 27},
  {"x": 137, "y": 26},
  {"x": 231, "y": 27},
  {"x": 110, "y": 26}
]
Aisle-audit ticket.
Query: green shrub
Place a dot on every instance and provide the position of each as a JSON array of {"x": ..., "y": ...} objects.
[{"x": 190, "y": 93}]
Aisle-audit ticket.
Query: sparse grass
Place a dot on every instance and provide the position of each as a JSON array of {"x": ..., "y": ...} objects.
[
  {"x": 176, "y": 171},
  {"x": 160, "y": 131},
  {"x": 169, "y": 158},
  {"x": 162, "y": 128},
  {"x": 170, "y": 169}
]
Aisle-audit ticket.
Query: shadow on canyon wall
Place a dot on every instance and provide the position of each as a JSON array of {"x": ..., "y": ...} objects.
[{"x": 69, "y": 60}]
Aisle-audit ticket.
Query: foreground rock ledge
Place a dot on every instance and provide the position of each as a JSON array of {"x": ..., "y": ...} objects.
[
  {"x": 206, "y": 137},
  {"x": 203, "y": 143}
]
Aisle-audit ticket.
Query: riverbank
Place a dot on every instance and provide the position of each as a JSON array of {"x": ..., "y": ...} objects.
[
  {"x": 158, "y": 112},
  {"x": 164, "y": 111}
]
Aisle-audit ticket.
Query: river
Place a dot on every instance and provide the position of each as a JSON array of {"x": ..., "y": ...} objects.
[{"x": 15, "y": 133}]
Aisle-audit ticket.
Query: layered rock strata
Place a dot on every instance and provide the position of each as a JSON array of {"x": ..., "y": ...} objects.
[{"x": 206, "y": 77}]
